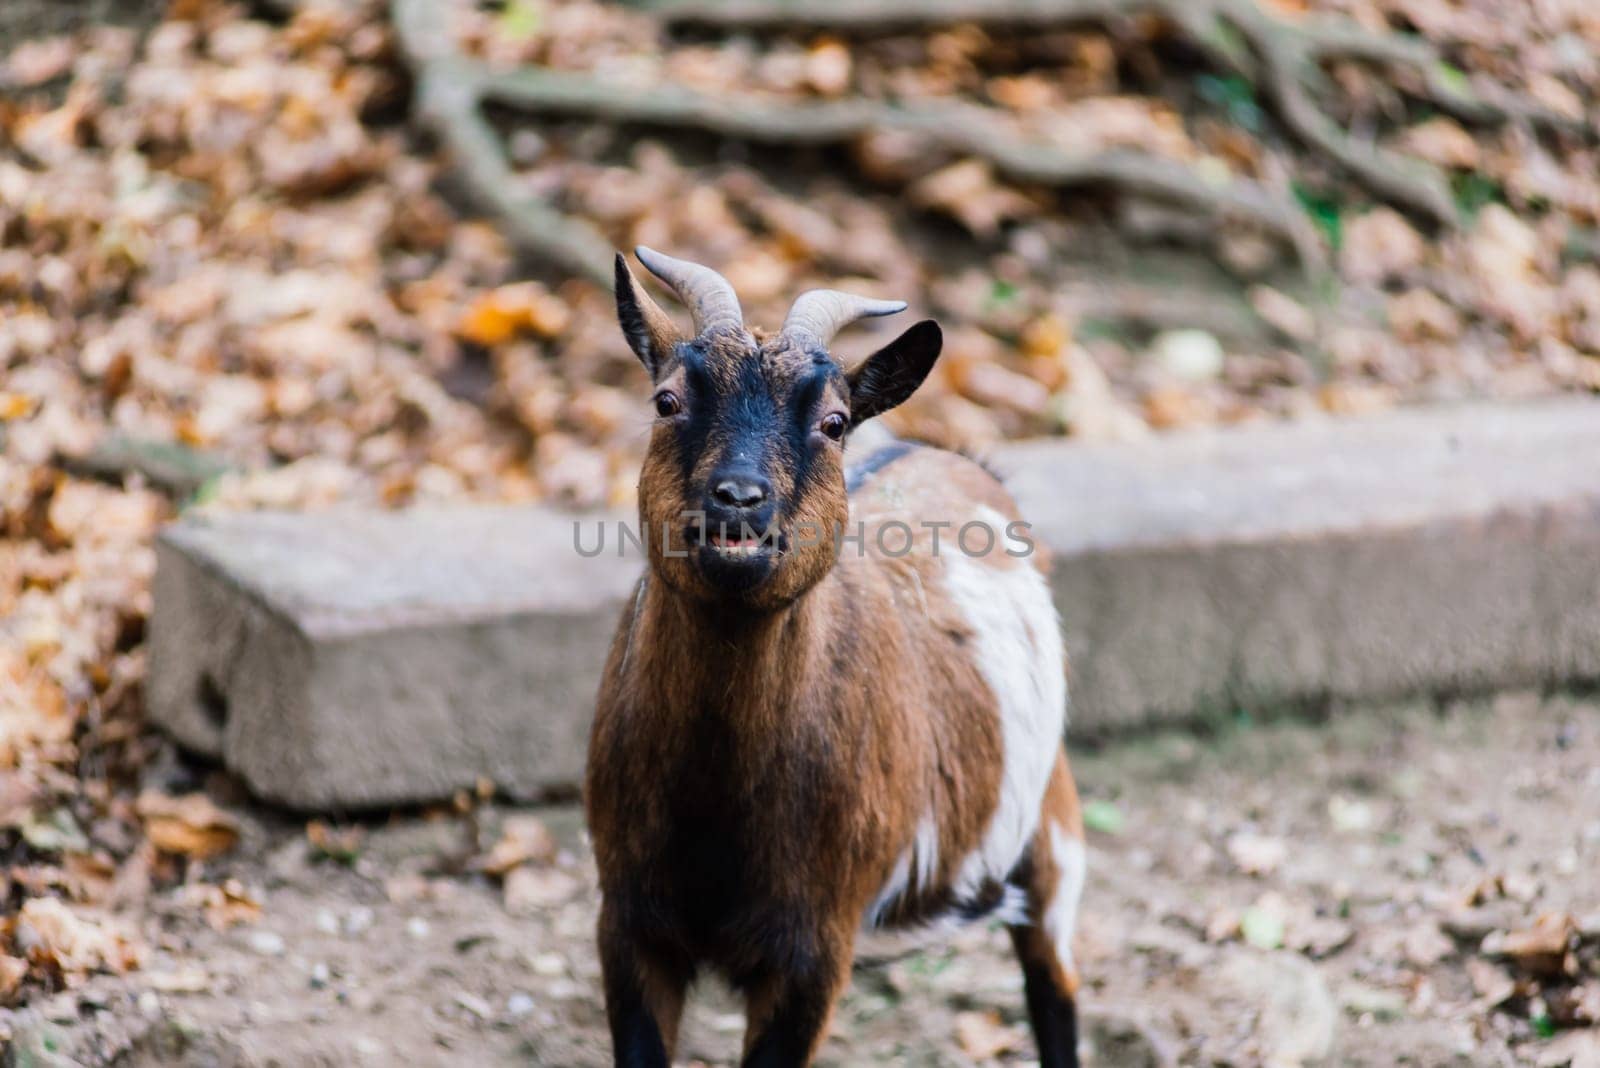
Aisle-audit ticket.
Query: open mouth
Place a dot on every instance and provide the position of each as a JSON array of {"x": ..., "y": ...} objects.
[{"x": 735, "y": 544}]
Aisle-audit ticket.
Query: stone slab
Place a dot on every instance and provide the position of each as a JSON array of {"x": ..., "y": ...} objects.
[
  {"x": 353, "y": 659},
  {"x": 1420, "y": 552}
]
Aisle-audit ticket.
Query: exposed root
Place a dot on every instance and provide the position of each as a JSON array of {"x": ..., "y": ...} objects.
[
  {"x": 452, "y": 89},
  {"x": 966, "y": 130},
  {"x": 449, "y": 94},
  {"x": 1283, "y": 58}
]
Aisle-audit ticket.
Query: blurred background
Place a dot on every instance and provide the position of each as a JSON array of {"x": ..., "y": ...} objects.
[{"x": 298, "y": 253}]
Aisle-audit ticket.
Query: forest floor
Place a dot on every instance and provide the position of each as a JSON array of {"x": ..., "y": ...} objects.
[
  {"x": 1409, "y": 885},
  {"x": 230, "y": 279}
]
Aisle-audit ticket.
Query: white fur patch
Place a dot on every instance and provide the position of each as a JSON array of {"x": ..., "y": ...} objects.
[
  {"x": 926, "y": 848},
  {"x": 1017, "y": 646},
  {"x": 915, "y": 867},
  {"x": 1061, "y": 915}
]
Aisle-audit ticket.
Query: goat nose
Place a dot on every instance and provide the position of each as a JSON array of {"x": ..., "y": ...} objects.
[{"x": 742, "y": 492}]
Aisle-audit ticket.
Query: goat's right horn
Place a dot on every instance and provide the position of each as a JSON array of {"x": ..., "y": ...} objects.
[{"x": 709, "y": 296}]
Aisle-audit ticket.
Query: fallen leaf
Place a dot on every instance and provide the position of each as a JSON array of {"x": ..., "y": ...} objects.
[
  {"x": 1380, "y": 246},
  {"x": 1441, "y": 141},
  {"x": 1282, "y": 312},
  {"x": 1188, "y": 355},
  {"x": 1103, "y": 816},
  {"x": 1541, "y": 949},
  {"x": 1426, "y": 945},
  {"x": 12, "y": 971},
  {"x": 1262, "y": 926},
  {"x": 16, "y": 405},
  {"x": 1576, "y": 1049},
  {"x": 984, "y": 1036},
  {"x": 342, "y": 844},
  {"x": 1492, "y": 984},
  {"x": 190, "y": 826},
  {"x": 1419, "y": 315},
  {"x": 223, "y": 906},
  {"x": 498, "y": 315},
  {"x": 528, "y": 889},
  {"x": 969, "y": 192},
  {"x": 1256, "y": 854},
  {"x": 1350, "y": 816},
  {"x": 189, "y": 980},
  {"x": 523, "y": 839},
  {"x": 51, "y": 934},
  {"x": 828, "y": 67}
]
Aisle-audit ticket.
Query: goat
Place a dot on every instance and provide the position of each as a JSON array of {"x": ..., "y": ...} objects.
[{"x": 800, "y": 738}]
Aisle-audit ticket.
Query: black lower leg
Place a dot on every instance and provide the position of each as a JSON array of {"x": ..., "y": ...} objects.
[
  {"x": 636, "y": 1040},
  {"x": 1053, "y": 1015},
  {"x": 790, "y": 1034}
]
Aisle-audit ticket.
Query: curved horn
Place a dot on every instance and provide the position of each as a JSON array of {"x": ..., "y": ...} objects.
[
  {"x": 818, "y": 314},
  {"x": 708, "y": 296}
]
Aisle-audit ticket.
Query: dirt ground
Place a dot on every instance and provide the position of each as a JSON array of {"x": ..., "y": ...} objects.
[{"x": 1389, "y": 852}]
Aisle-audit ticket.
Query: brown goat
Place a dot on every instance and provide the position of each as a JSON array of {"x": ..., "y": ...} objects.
[{"x": 819, "y": 717}]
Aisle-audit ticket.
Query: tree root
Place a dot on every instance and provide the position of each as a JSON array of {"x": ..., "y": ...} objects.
[
  {"x": 449, "y": 93},
  {"x": 1283, "y": 58},
  {"x": 965, "y": 130},
  {"x": 451, "y": 90}
]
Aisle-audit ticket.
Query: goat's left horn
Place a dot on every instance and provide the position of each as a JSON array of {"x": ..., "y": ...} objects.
[
  {"x": 709, "y": 296},
  {"x": 818, "y": 314}
]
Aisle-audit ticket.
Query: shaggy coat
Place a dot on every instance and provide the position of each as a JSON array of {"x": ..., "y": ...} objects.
[{"x": 851, "y": 727}]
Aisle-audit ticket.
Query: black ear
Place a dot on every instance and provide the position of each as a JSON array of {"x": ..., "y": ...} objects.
[
  {"x": 650, "y": 333},
  {"x": 893, "y": 373}
]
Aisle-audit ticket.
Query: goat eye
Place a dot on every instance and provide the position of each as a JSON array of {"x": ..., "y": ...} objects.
[
  {"x": 834, "y": 426},
  {"x": 667, "y": 404}
]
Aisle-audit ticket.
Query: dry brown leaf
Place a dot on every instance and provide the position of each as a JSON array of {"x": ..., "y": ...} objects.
[
  {"x": 1492, "y": 984},
  {"x": 1426, "y": 945},
  {"x": 1045, "y": 338},
  {"x": 50, "y": 934},
  {"x": 1441, "y": 141},
  {"x": 529, "y": 889},
  {"x": 12, "y": 971},
  {"x": 1576, "y": 1049},
  {"x": 336, "y": 843},
  {"x": 1282, "y": 312},
  {"x": 15, "y": 405},
  {"x": 1098, "y": 124},
  {"x": 969, "y": 192},
  {"x": 523, "y": 839},
  {"x": 497, "y": 316},
  {"x": 1172, "y": 408},
  {"x": 1541, "y": 949},
  {"x": 983, "y": 1036},
  {"x": 36, "y": 62},
  {"x": 1577, "y": 1006},
  {"x": 190, "y": 826},
  {"x": 828, "y": 67},
  {"x": 187, "y": 980},
  {"x": 1257, "y": 854},
  {"x": 223, "y": 906},
  {"x": 1355, "y": 398},
  {"x": 1419, "y": 315},
  {"x": 1380, "y": 246}
]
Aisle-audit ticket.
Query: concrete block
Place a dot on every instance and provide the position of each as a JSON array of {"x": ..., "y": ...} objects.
[
  {"x": 353, "y": 659},
  {"x": 1418, "y": 552},
  {"x": 350, "y": 659}
]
